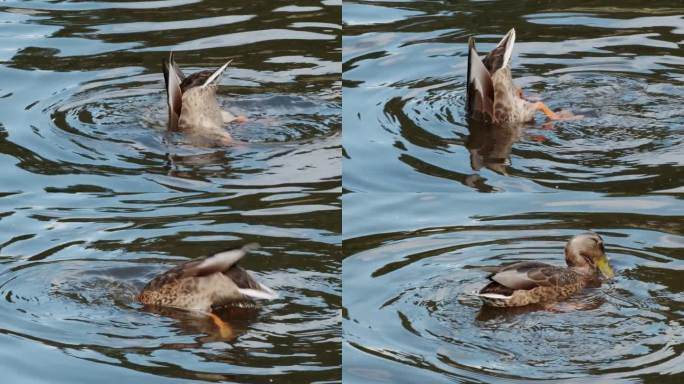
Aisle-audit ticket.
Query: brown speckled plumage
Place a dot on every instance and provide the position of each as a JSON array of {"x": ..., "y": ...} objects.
[
  {"x": 533, "y": 282},
  {"x": 492, "y": 95},
  {"x": 200, "y": 284},
  {"x": 193, "y": 107}
]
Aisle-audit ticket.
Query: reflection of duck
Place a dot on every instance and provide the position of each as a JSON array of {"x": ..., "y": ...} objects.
[
  {"x": 193, "y": 108},
  {"x": 533, "y": 282},
  {"x": 492, "y": 95},
  {"x": 234, "y": 320},
  {"x": 200, "y": 285},
  {"x": 490, "y": 145}
]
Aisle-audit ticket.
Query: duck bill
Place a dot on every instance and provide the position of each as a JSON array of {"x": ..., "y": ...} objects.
[{"x": 604, "y": 267}]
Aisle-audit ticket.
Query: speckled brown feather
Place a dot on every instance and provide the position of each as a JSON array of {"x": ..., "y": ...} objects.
[
  {"x": 198, "y": 285},
  {"x": 533, "y": 282},
  {"x": 491, "y": 94},
  {"x": 542, "y": 282},
  {"x": 193, "y": 107}
]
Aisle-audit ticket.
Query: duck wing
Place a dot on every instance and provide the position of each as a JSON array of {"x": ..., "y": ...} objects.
[
  {"x": 480, "y": 91},
  {"x": 173, "y": 77},
  {"x": 226, "y": 263},
  {"x": 220, "y": 262},
  {"x": 529, "y": 274}
]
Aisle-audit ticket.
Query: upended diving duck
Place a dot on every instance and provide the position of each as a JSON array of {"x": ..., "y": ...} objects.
[
  {"x": 202, "y": 284},
  {"x": 491, "y": 94},
  {"x": 532, "y": 282},
  {"x": 193, "y": 108}
]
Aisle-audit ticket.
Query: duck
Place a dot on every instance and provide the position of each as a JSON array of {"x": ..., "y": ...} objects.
[
  {"x": 201, "y": 284},
  {"x": 193, "y": 107},
  {"x": 491, "y": 93},
  {"x": 533, "y": 282}
]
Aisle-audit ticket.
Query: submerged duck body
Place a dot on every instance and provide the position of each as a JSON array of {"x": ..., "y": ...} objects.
[
  {"x": 193, "y": 108},
  {"x": 198, "y": 285},
  {"x": 534, "y": 282},
  {"x": 491, "y": 93}
]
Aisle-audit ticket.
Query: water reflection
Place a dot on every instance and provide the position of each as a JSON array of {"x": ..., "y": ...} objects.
[
  {"x": 96, "y": 198},
  {"x": 490, "y": 145},
  {"x": 413, "y": 262},
  {"x": 404, "y": 77}
]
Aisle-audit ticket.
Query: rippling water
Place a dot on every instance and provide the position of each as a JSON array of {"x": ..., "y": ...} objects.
[
  {"x": 408, "y": 278},
  {"x": 404, "y": 86},
  {"x": 95, "y": 198},
  {"x": 412, "y": 259}
]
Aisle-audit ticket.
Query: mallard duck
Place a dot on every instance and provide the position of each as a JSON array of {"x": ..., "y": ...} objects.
[
  {"x": 532, "y": 282},
  {"x": 198, "y": 285},
  {"x": 491, "y": 94},
  {"x": 193, "y": 108}
]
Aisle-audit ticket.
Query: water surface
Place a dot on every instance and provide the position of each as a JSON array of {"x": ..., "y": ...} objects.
[
  {"x": 404, "y": 94},
  {"x": 95, "y": 198},
  {"x": 411, "y": 266}
]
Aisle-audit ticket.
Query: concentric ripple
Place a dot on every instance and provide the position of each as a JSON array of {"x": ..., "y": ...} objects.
[
  {"x": 404, "y": 78},
  {"x": 621, "y": 136},
  {"x": 409, "y": 284},
  {"x": 79, "y": 294},
  {"x": 96, "y": 198}
]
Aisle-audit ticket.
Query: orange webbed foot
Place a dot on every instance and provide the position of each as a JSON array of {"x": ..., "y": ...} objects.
[
  {"x": 560, "y": 115},
  {"x": 225, "y": 330},
  {"x": 564, "y": 114}
]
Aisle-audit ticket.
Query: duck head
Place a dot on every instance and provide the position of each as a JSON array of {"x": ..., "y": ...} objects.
[{"x": 586, "y": 254}]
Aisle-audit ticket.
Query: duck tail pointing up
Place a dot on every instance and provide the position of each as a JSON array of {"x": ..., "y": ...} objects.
[
  {"x": 216, "y": 76},
  {"x": 263, "y": 292}
]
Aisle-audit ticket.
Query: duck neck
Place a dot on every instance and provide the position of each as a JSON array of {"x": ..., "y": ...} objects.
[
  {"x": 588, "y": 275},
  {"x": 584, "y": 270}
]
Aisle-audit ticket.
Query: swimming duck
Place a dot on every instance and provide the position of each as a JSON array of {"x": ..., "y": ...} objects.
[
  {"x": 198, "y": 285},
  {"x": 193, "y": 108},
  {"x": 532, "y": 282},
  {"x": 491, "y": 94}
]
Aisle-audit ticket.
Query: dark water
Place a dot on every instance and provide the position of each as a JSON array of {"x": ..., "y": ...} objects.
[
  {"x": 404, "y": 85},
  {"x": 408, "y": 277},
  {"x": 411, "y": 258},
  {"x": 95, "y": 199}
]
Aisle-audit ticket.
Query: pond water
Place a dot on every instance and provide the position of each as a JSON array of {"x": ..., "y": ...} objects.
[
  {"x": 95, "y": 198},
  {"x": 424, "y": 218},
  {"x": 404, "y": 85},
  {"x": 409, "y": 273}
]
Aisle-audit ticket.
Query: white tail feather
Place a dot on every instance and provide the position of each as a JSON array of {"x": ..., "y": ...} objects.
[
  {"x": 494, "y": 296},
  {"x": 509, "y": 47},
  {"x": 263, "y": 292},
  {"x": 216, "y": 75}
]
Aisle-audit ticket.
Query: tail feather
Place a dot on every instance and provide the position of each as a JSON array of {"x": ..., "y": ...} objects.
[
  {"x": 216, "y": 76},
  {"x": 263, "y": 292},
  {"x": 173, "y": 77}
]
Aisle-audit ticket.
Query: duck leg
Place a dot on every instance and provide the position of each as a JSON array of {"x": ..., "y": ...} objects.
[
  {"x": 561, "y": 115},
  {"x": 225, "y": 330},
  {"x": 229, "y": 117},
  {"x": 540, "y": 106}
]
